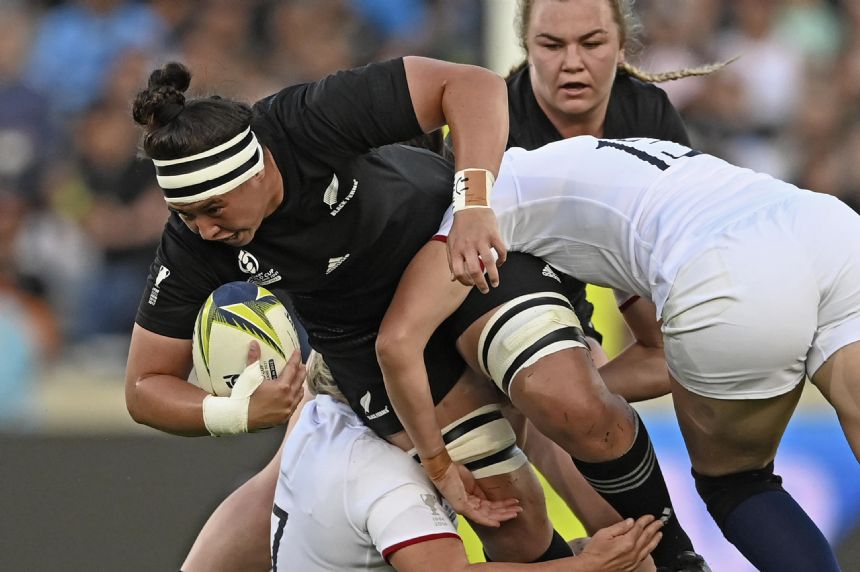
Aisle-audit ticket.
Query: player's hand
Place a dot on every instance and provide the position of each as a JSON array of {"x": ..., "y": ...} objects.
[
  {"x": 462, "y": 492},
  {"x": 623, "y": 546},
  {"x": 474, "y": 233},
  {"x": 275, "y": 399}
]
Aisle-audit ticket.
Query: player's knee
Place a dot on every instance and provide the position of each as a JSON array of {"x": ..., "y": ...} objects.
[
  {"x": 723, "y": 494},
  {"x": 484, "y": 442},
  {"x": 524, "y": 330}
]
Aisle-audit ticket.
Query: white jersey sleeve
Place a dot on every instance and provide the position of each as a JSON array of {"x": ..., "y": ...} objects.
[
  {"x": 624, "y": 299},
  {"x": 390, "y": 497}
]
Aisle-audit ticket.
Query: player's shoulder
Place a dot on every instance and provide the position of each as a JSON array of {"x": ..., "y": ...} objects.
[
  {"x": 628, "y": 90},
  {"x": 376, "y": 467}
]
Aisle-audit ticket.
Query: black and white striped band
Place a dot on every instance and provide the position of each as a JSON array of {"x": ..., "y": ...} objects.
[{"x": 210, "y": 173}]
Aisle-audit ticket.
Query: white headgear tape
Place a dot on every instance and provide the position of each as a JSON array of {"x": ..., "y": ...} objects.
[
  {"x": 212, "y": 172},
  {"x": 524, "y": 330},
  {"x": 484, "y": 442}
]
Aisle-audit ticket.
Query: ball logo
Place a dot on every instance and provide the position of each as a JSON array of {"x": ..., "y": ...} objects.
[{"x": 248, "y": 262}]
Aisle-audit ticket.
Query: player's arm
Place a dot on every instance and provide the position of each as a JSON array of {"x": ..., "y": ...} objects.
[
  {"x": 639, "y": 372},
  {"x": 157, "y": 393},
  {"x": 473, "y": 101},
  {"x": 424, "y": 298},
  {"x": 618, "y": 548}
]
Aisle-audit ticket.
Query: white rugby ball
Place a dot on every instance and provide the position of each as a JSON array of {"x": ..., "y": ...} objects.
[{"x": 234, "y": 315}]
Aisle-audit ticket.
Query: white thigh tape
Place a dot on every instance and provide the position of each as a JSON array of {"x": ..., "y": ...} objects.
[
  {"x": 484, "y": 442},
  {"x": 524, "y": 330}
]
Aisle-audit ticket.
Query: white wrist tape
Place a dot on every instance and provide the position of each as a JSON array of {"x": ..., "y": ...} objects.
[
  {"x": 229, "y": 415},
  {"x": 472, "y": 189}
]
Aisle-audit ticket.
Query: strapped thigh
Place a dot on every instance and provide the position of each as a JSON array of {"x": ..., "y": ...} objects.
[{"x": 524, "y": 330}]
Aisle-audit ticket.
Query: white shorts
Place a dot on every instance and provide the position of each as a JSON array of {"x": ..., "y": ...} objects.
[{"x": 767, "y": 301}]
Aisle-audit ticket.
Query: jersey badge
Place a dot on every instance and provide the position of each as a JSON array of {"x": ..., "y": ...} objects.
[
  {"x": 365, "y": 404},
  {"x": 249, "y": 264},
  {"x": 345, "y": 200},
  {"x": 163, "y": 273},
  {"x": 431, "y": 501},
  {"x": 549, "y": 273},
  {"x": 330, "y": 194},
  {"x": 333, "y": 263}
]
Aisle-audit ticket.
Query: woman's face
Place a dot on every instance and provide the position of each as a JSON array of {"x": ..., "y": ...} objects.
[
  {"x": 573, "y": 51},
  {"x": 235, "y": 216}
]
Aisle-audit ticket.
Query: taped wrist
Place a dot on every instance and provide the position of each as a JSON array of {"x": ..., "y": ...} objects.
[
  {"x": 484, "y": 442},
  {"x": 436, "y": 465},
  {"x": 472, "y": 189},
  {"x": 229, "y": 415}
]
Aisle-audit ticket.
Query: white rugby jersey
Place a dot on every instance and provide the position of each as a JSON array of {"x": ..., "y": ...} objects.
[
  {"x": 622, "y": 213},
  {"x": 346, "y": 499}
]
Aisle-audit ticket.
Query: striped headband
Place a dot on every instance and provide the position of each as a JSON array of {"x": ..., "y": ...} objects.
[{"x": 210, "y": 173}]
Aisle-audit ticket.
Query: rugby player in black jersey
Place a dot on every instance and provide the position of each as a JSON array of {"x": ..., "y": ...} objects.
[
  {"x": 576, "y": 80},
  {"x": 295, "y": 195}
]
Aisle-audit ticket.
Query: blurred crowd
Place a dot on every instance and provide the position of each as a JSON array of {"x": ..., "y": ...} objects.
[{"x": 80, "y": 214}]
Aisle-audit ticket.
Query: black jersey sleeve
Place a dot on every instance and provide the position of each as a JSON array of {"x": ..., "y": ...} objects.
[
  {"x": 180, "y": 280},
  {"x": 347, "y": 113}
]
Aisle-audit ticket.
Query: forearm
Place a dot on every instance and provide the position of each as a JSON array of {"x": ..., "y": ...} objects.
[
  {"x": 408, "y": 389},
  {"x": 479, "y": 124},
  {"x": 167, "y": 403},
  {"x": 472, "y": 100},
  {"x": 638, "y": 373}
]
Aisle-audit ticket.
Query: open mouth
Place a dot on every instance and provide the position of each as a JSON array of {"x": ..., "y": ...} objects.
[{"x": 574, "y": 86}]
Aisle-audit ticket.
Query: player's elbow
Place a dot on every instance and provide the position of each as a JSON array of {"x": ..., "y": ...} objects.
[
  {"x": 133, "y": 402},
  {"x": 395, "y": 346}
]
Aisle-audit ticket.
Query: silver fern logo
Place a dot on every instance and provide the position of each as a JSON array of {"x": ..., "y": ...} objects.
[
  {"x": 330, "y": 194},
  {"x": 365, "y": 402}
]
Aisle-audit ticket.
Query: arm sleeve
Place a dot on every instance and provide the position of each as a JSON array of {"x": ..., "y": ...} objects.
[
  {"x": 407, "y": 515},
  {"x": 390, "y": 499},
  {"x": 624, "y": 299},
  {"x": 349, "y": 112},
  {"x": 178, "y": 284}
]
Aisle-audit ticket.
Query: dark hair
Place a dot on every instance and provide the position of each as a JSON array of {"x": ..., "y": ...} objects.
[{"x": 174, "y": 127}]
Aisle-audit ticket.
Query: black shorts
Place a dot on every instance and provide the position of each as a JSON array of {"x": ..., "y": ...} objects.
[
  {"x": 359, "y": 377},
  {"x": 521, "y": 274},
  {"x": 357, "y": 372}
]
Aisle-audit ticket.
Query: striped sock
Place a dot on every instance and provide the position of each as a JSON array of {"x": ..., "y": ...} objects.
[{"x": 633, "y": 484}]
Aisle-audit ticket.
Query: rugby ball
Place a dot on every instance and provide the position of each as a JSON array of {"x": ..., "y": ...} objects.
[{"x": 234, "y": 315}]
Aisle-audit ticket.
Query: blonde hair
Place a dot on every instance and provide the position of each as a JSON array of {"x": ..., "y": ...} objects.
[
  {"x": 320, "y": 381},
  {"x": 629, "y": 29}
]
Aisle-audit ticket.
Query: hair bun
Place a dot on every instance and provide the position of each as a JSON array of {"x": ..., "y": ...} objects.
[{"x": 164, "y": 99}]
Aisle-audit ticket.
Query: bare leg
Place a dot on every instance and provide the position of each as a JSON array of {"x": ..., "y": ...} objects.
[
  {"x": 728, "y": 436},
  {"x": 558, "y": 468},
  {"x": 564, "y": 397},
  {"x": 839, "y": 381},
  {"x": 732, "y": 444}
]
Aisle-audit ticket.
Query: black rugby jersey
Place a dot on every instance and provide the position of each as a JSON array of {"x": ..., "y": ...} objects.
[
  {"x": 636, "y": 109},
  {"x": 352, "y": 218}
]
